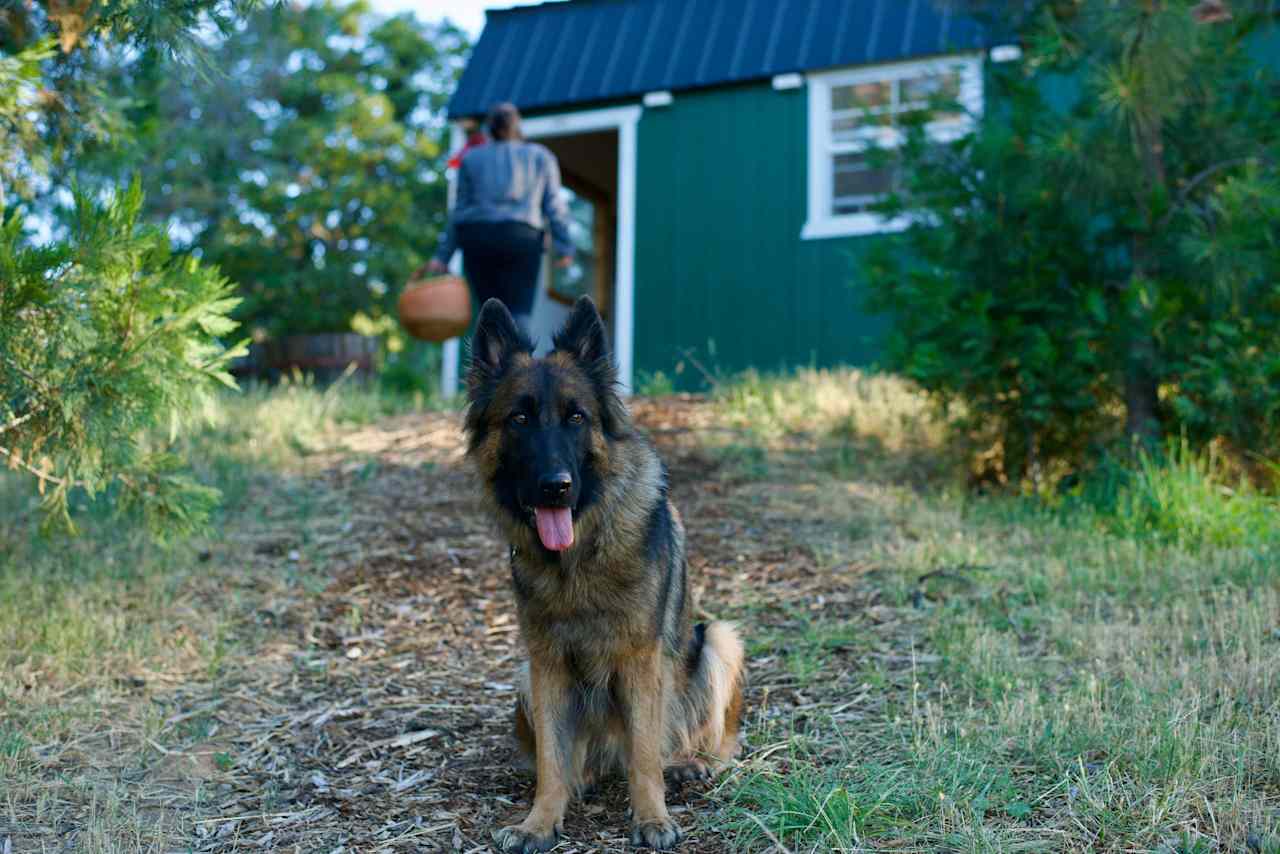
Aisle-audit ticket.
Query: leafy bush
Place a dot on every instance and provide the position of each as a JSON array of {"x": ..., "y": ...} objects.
[
  {"x": 1225, "y": 350},
  {"x": 1099, "y": 260},
  {"x": 104, "y": 334},
  {"x": 998, "y": 300}
]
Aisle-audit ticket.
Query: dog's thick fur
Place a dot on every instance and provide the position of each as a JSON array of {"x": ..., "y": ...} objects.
[{"x": 619, "y": 679}]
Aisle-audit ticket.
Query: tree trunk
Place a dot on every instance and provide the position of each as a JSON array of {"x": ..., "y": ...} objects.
[{"x": 1141, "y": 386}]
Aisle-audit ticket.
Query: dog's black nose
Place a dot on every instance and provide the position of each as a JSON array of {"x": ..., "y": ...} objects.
[{"x": 554, "y": 487}]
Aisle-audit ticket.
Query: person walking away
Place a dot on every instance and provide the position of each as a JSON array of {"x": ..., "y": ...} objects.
[{"x": 508, "y": 193}]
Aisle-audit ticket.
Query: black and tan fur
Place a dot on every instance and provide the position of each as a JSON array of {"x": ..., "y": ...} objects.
[{"x": 618, "y": 679}]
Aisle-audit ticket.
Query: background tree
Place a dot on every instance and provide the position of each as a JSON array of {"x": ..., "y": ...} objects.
[
  {"x": 1066, "y": 277},
  {"x": 52, "y": 97},
  {"x": 311, "y": 170}
]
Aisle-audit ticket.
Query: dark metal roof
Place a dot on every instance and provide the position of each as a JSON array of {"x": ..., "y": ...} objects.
[{"x": 579, "y": 51}]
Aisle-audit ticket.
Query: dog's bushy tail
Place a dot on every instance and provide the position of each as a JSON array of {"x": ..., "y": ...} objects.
[{"x": 713, "y": 701}]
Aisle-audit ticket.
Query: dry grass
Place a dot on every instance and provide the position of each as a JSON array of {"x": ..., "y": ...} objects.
[{"x": 929, "y": 671}]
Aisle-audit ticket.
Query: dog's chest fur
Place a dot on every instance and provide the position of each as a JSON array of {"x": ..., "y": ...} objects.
[{"x": 584, "y": 607}]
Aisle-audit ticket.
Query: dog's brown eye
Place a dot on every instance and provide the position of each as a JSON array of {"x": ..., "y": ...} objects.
[
  {"x": 577, "y": 418},
  {"x": 520, "y": 419}
]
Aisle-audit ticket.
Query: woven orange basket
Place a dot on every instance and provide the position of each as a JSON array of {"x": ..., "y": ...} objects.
[{"x": 436, "y": 308}]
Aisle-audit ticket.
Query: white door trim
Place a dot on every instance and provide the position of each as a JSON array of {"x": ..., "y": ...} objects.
[
  {"x": 451, "y": 357},
  {"x": 625, "y": 121}
]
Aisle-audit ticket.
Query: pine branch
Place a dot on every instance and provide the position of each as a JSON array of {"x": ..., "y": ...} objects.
[
  {"x": 1204, "y": 175},
  {"x": 44, "y": 477},
  {"x": 29, "y": 377},
  {"x": 19, "y": 421}
]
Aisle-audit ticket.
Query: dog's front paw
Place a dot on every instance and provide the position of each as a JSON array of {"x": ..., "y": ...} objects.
[
  {"x": 663, "y": 834},
  {"x": 518, "y": 839}
]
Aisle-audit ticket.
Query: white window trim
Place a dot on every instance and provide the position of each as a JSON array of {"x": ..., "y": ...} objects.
[{"x": 821, "y": 223}]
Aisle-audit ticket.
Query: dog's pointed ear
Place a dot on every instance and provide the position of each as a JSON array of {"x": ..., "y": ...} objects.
[
  {"x": 583, "y": 336},
  {"x": 496, "y": 341}
]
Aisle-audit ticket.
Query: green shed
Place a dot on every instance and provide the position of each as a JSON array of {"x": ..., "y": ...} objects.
[{"x": 714, "y": 155}]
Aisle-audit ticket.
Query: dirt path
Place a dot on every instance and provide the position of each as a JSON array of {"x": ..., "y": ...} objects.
[{"x": 364, "y": 701}]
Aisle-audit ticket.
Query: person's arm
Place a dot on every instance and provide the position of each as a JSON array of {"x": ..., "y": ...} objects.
[
  {"x": 556, "y": 211},
  {"x": 449, "y": 238}
]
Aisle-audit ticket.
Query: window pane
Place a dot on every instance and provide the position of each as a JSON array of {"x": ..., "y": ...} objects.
[
  {"x": 858, "y": 106},
  {"x": 945, "y": 84},
  {"x": 861, "y": 96},
  {"x": 856, "y": 184},
  {"x": 854, "y": 125},
  {"x": 919, "y": 93}
]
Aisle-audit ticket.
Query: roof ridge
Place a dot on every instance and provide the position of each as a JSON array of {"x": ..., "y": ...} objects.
[{"x": 523, "y": 8}]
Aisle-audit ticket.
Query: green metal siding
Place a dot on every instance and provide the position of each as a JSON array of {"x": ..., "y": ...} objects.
[{"x": 721, "y": 270}]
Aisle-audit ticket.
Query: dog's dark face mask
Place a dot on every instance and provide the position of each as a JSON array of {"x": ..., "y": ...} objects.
[{"x": 539, "y": 425}]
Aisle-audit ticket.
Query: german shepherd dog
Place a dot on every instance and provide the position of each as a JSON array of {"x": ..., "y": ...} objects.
[{"x": 618, "y": 676}]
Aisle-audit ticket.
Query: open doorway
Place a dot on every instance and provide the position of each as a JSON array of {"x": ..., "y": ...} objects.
[
  {"x": 589, "y": 174},
  {"x": 597, "y": 154}
]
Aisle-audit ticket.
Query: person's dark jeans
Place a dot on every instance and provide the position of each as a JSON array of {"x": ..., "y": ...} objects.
[{"x": 501, "y": 259}]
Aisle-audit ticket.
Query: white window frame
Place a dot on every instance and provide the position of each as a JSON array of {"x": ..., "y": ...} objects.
[{"x": 821, "y": 222}]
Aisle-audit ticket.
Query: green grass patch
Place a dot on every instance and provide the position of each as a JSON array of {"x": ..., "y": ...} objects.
[
  {"x": 1095, "y": 672},
  {"x": 655, "y": 384},
  {"x": 806, "y": 645},
  {"x": 743, "y": 460},
  {"x": 1191, "y": 499},
  {"x": 856, "y": 795}
]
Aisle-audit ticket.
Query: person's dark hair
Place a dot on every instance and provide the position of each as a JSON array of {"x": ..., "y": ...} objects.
[{"x": 504, "y": 122}]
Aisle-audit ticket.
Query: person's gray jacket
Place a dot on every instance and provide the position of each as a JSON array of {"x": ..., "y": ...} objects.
[{"x": 509, "y": 181}]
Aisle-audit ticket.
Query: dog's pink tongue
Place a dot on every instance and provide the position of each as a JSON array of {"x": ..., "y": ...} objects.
[{"x": 555, "y": 527}]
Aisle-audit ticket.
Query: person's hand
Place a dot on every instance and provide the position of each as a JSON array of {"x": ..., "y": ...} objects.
[
  {"x": 564, "y": 262},
  {"x": 435, "y": 265}
]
